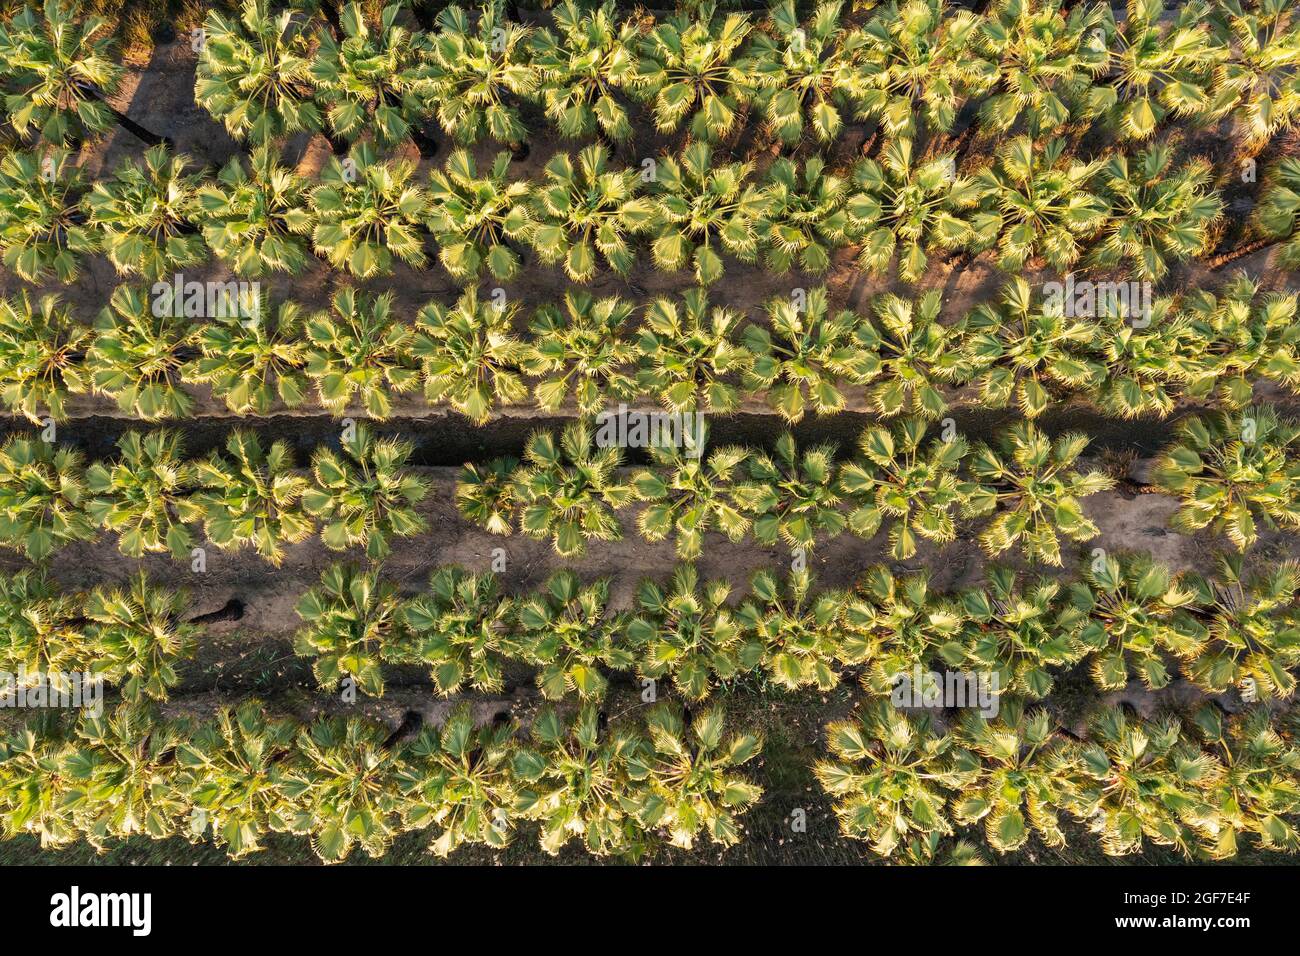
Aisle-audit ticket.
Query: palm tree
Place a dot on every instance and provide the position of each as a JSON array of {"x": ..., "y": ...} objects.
[
  {"x": 910, "y": 210},
  {"x": 1260, "y": 77},
  {"x": 147, "y": 496},
  {"x": 256, "y": 215},
  {"x": 365, "y": 495},
  {"x": 567, "y": 632},
  {"x": 580, "y": 349},
  {"x": 34, "y": 786},
  {"x": 42, "y": 497},
  {"x": 458, "y": 628},
  {"x": 805, "y": 75},
  {"x": 807, "y": 354},
  {"x": 357, "y": 352},
  {"x": 474, "y": 221},
  {"x": 806, "y": 216},
  {"x": 793, "y": 496},
  {"x": 44, "y": 630},
  {"x": 585, "y": 209},
  {"x": 915, "y": 354},
  {"x": 689, "y": 355},
  {"x": 918, "y": 489},
  {"x": 1036, "y": 204},
  {"x": 137, "y": 357},
  {"x": 1278, "y": 213},
  {"x": 581, "y": 68},
  {"x": 138, "y": 637},
  {"x": 144, "y": 215},
  {"x": 251, "y": 362},
  {"x": 42, "y": 223},
  {"x": 41, "y": 348},
  {"x": 370, "y": 75},
  {"x": 1158, "y": 214},
  {"x": 485, "y": 494},
  {"x": 351, "y": 621},
  {"x": 251, "y": 497},
  {"x": 704, "y": 208},
  {"x": 367, "y": 213},
  {"x": 255, "y": 73},
  {"x": 799, "y": 632},
  {"x": 1148, "y": 359},
  {"x": 478, "y": 73},
  {"x": 690, "y": 66},
  {"x": 1031, "y": 478},
  {"x": 1248, "y": 334}
]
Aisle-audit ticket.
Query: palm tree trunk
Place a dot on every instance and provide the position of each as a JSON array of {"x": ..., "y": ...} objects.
[{"x": 1240, "y": 252}]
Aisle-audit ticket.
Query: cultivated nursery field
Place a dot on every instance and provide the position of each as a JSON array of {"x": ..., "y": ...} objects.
[{"x": 839, "y": 432}]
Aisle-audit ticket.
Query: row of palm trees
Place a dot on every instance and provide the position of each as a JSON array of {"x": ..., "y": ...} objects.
[
  {"x": 910, "y": 67},
  {"x": 1207, "y": 787}
]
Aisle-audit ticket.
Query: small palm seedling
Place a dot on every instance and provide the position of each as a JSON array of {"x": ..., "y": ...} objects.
[
  {"x": 476, "y": 221},
  {"x": 352, "y": 621},
  {"x": 477, "y": 75},
  {"x": 1019, "y": 775},
  {"x": 692, "y": 776},
  {"x": 342, "y": 789},
  {"x": 910, "y": 210},
  {"x": 250, "y": 362},
  {"x": 1020, "y": 634},
  {"x": 586, "y": 212},
  {"x": 137, "y": 356},
  {"x": 1144, "y": 780},
  {"x": 56, "y": 69},
  {"x": 485, "y": 494},
  {"x": 138, "y": 636},
  {"x": 793, "y": 497},
  {"x": 42, "y": 223},
  {"x": 471, "y": 356},
  {"x": 1037, "y": 205},
  {"x": 567, "y": 632},
  {"x": 458, "y": 780},
  {"x": 580, "y": 349},
  {"x": 582, "y": 66},
  {"x": 143, "y": 215},
  {"x": 1260, "y": 78},
  {"x": 914, "y": 489},
  {"x": 916, "y": 355},
  {"x": 1258, "y": 794},
  {"x": 256, "y": 215},
  {"x": 1160, "y": 70},
  {"x": 43, "y": 630},
  {"x": 1232, "y": 471},
  {"x": 1247, "y": 334},
  {"x": 119, "y": 772},
  {"x": 806, "y": 76},
  {"x": 690, "y": 69},
  {"x": 1046, "y": 63},
  {"x": 919, "y": 64},
  {"x": 689, "y": 495},
  {"x": 1278, "y": 213},
  {"x": 887, "y": 777},
  {"x": 1159, "y": 215},
  {"x": 459, "y": 629},
  {"x": 799, "y": 632},
  {"x": 1254, "y": 629},
  {"x": 233, "y": 768},
  {"x": 1137, "y": 612},
  {"x": 368, "y": 213},
  {"x": 573, "y": 778},
  {"x": 357, "y": 352},
  {"x": 569, "y": 490},
  {"x": 255, "y": 73},
  {"x": 370, "y": 75},
  {"x": 805, "y": 217},
  {"x": 147, "y": 496},
  {"x": 364, "y": 494},
  {"x": 41, "y": 347},
  {"x": 703, "y": 209},
  {"x": 42, "y": 497},
  {"x": 689, "y": 354},
  {"x": 896, "y": 626},
  {"x": 1030, "y": 480},
  {"x": 1148, "y": 357},
  {"x": 251, "y": 497},
  {"x": 687, "y": 632},
  {"x": 807, "y": 355},
  {"x": 1029, "y": 354}
]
